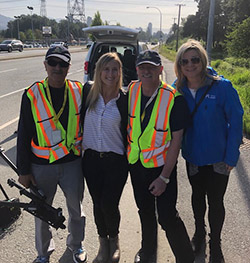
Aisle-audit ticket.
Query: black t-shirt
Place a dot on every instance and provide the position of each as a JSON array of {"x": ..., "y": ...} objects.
[{"x": 179, "y": 116}]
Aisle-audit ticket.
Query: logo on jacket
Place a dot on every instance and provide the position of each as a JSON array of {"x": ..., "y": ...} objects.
[{"x": 210, "y": 96}]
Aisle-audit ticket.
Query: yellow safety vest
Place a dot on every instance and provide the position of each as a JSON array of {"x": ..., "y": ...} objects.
[
  {"x": 48, "y": 147},
  {"x": 151, "y": 145}
]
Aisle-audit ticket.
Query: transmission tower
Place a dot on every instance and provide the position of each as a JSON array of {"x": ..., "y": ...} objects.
[
  {"x": 43, "y": 11},
  {"x": 76, "y": 10}
]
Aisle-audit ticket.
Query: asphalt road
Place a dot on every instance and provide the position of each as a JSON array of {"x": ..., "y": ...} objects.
[{"x": 17, "y": 242}]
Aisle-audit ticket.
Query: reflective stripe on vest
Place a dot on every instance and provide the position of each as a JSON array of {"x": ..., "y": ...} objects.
[
  {"x": 151, "y": 146},
  {"x": 43, "y": 114}
]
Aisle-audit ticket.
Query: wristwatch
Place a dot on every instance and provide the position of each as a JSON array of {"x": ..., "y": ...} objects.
[{"x": 164, "y": 179}]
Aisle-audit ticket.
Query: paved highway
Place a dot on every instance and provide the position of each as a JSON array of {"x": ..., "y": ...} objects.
[{"x": 17, "y": 243}]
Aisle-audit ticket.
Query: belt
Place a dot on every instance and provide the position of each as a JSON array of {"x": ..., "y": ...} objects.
[{"x": 102, "y": 154}]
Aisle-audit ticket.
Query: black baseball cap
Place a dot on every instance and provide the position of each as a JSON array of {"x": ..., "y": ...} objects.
[
  {"x": 149, "y": 56},
  {"x": 59, "y": 52}
]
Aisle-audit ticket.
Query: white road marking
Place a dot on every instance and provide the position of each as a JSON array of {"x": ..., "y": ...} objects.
[
  {"x": 8, "y": 70},
  {"x": 76, "y": 71},
  {"x": 8, "y": 123},
  {"x": 13, "y": 92},
  {"x": 16, "y": 91}
]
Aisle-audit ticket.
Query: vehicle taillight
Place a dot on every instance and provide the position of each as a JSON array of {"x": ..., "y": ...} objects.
[{"x": 86, "y": 67}]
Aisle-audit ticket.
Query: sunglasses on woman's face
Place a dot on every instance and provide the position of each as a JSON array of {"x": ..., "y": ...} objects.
[
  {"x": 193, "y": 60},
  {"x": 54, "y": 63}
]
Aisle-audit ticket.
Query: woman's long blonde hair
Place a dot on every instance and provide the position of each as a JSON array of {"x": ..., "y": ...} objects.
[
  {"x": 191, "y": 44},
  {"x": 96, "y": 88}
]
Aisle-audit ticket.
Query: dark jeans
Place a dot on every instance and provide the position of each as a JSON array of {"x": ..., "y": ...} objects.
[
  {"x": 165, "y": 207},
  {"x": 213, "y": 185},
  {"x": 105, "y": 175}
]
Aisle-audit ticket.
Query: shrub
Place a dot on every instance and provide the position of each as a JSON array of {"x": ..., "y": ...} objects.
[{"x": 240, "y": 78}]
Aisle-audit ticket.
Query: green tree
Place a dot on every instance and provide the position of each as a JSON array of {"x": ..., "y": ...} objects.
[
  {"x": 97, "y": 21},
  {"x": 235, "y": 11},
  {"x": 59, "y": 30},
  {"x": 22, "y": 36},
  {"x": 238, "y": 40},
  {"x": 196, "y": 25}
]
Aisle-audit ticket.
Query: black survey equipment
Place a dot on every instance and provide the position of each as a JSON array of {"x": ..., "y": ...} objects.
[{"x": 37, "y": 206}]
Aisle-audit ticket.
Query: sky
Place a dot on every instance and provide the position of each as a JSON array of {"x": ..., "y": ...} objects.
[{"x": 129, "y": 13}]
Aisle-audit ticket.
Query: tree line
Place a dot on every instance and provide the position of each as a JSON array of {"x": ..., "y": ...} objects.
[
  {"x": 64, "y": 29},
  {"x": 231, "y": 26},
  {"x": 59, "y": 29}
]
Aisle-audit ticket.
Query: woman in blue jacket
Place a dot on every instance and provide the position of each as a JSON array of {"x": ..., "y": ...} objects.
[{"x": 211, "y": 142}]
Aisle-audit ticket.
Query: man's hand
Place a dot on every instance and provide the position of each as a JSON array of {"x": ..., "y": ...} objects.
[
  {"x": 26, "y": 180},
  {"x": 157, "y": 187}
]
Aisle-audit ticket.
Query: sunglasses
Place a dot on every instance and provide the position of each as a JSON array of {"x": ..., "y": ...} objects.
[
  {"x": 193, "y": 60},
  {"x": 54, "y": 63}
]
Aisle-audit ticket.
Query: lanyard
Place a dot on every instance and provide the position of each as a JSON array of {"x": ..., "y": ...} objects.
[
  {"x": 148, "y": 102},
  {"x": 58, "y": 115}
]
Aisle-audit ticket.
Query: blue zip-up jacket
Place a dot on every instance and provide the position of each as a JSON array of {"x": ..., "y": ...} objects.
[{"x": 215, "y": 133}]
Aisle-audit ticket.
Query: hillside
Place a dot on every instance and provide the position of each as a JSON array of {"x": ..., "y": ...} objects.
[{"x": 4, "y": 21}]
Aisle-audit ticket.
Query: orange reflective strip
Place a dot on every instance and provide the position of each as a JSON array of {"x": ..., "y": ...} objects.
[
  {"x": 46, "y": 108},
  {"x": 79, "y": 88},
  {"x": 165, "y": 154},
  {"x": 54, "y": 154},
  {"x": 136, "y": 99},
  {"x": 39, "y": 148},
  {"x": 157, "y": 114},
  {"x": 134, "y": 107},
  {"x": 155, "y": 161},
  {"x": 73, "y": 95},
  {"x": 76, "y": 107},
  {"x": 166, "y": 119},
  {"x": 42, "y": 156},
  {"x": 63, "y": 148},
  {"x": 39, "y": 116}
]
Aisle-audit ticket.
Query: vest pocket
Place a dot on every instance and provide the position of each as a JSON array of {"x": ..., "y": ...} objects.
[
  {"x": 129, "y": 130},
  {"x": 160, "y": 130},
  {"x": 160, "y": 136}
]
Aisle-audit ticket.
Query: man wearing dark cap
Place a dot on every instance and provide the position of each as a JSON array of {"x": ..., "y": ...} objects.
[
  {"x": 49, "y": 149},
  {"x": 157, "y": 116}
]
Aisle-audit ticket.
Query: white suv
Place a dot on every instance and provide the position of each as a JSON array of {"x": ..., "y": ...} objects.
[
  {"x": 113, "y": 39},
  {"x": 56, "y": 44}
]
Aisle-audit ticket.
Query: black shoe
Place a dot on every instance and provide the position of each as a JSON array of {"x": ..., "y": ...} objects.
[
  {"x": 216, "y": 255},
  {"x": 142, "y": 257},
  {"x": 198, "y": 240}
]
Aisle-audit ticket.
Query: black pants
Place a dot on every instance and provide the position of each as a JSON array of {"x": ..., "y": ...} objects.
[
  {"x": 213, "y": 185},
  {"x": 106, "y": 175},
  {"x": 165, "y": 207}
]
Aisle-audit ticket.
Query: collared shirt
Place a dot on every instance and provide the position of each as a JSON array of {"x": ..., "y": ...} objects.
[{"x": 102, "y": 128}]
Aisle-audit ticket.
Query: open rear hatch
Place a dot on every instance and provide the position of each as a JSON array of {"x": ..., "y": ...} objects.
[{"x": 112, "y": 33}]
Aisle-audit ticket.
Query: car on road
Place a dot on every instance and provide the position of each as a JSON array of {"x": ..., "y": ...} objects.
[
  {"x": 56, "y": 44},
  {"x": 122, "y": 40},
  {"x": 11, "y": 45}
]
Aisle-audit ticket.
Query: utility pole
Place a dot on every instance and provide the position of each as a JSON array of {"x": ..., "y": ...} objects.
[
  {"x": 68, "y": 20},
  {"x": 17, "y": 21},
  {"x": 179, "y": 17},
  {"x": 31, "y": 8},
  {"x": 210, "y": 31}
]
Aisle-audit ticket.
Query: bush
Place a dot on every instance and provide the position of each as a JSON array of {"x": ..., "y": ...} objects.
[
  {"x": 167, "y": 52},
  {"x": 238, "y": 40},
  {"x": 240, "y": 78},
  {"x": 239, "y": 62}
]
